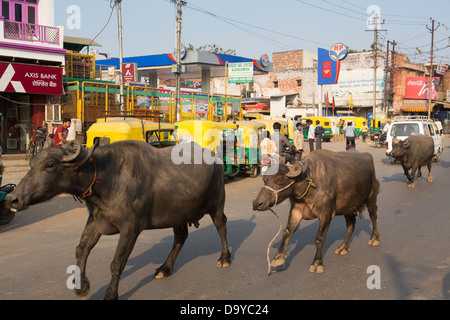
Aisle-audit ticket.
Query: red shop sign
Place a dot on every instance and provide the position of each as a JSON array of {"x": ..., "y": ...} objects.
[{"x": 28, "y": 78}]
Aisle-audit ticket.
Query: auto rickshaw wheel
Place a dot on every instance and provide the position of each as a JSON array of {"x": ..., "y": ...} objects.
[{"x": 6, "y": 215}]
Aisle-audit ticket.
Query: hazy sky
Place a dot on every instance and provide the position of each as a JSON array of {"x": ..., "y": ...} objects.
[{"x": 255, "y": 27}]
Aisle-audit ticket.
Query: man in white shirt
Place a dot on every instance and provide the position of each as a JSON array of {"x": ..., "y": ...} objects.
[{"x": 311, "y": 135}]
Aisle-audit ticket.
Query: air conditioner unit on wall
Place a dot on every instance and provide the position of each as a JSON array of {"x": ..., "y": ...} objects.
[{"x": 53, "y": 112}]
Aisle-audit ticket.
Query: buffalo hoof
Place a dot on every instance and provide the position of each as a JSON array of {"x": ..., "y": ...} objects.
[
  {"x": 84, "y": 295},
  {"x": 430, "y": 179},
  {"x": 223, "y": 264},
  {"x": 374, "y": 242},
  {"x": 162, "y": 272},
  {"x": 411, "y": 185},
  {"x": 316, "y": 269},
  {"x": 83, "y": 292},
  {"x": 224, "y": 260},
  {"x": 277, "y": 262},
  {"x": 160, "y": 275},
  {"x": 342, "y": 251}
]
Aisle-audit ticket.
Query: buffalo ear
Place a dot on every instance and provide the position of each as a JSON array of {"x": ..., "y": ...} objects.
[
  {"x": 74, "y": 149},
  {"x": 86, "y": 155},
  {"x": 295, "y": 170},
  {"x": 406, "y": 144}
]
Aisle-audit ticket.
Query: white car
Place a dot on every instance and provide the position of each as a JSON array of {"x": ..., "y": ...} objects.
[{"x": 404, "y": 126}]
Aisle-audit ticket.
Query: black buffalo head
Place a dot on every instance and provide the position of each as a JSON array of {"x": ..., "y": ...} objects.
[
  {"x": 399, "y": 147},
  {"x": 52, "y": 171},
  {"x": 277, "y": 186}
]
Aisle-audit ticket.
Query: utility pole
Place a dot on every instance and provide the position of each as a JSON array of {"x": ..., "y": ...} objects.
[
  {"x": 431, "y": 66},
  {"x": 178, "y": 57},
  {"x": 119, "y": 16},
  {"x": 386, "y": 72},
  {"x": 389, "y": 73},
  {"x": 375, "y": 53}
]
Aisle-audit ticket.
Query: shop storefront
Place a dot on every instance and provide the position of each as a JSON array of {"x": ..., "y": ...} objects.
[{"x": 24, "y": 92}]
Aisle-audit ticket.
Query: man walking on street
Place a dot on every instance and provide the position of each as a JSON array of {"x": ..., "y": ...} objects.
[
  {"x": 365, "y": 131},
  {"x": 318, "y": 132},
  {"x": 311, "y": 135},
  {"x": 298, "y": 142}
]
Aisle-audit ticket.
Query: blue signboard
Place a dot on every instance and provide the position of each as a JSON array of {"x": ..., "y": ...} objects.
[{"x": 328, "y": 69}]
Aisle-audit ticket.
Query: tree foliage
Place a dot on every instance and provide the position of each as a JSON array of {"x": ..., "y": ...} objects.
[{"x": 211, "y": 48}]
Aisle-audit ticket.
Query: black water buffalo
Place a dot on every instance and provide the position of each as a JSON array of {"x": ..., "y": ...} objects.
[
  {"x": 414, "y": 152},
  {"x": 323, "y": 185},
  {"x": 128, "y": 186}
]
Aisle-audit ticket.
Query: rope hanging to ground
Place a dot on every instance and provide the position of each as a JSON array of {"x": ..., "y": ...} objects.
[{"x": 269, "y": 269}]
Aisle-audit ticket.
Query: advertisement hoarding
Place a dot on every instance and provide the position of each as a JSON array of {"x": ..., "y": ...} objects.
[
  {"x": 419, "y": 88},
  {"x": 328, "y": 69}
]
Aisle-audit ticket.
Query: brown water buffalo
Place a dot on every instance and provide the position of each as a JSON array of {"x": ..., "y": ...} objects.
[
  {"x": 128, "y": 186},
  {"x": 414, "y": 152},
  {"x": 323, "y": 185}
]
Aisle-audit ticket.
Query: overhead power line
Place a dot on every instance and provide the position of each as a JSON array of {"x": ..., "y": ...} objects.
[{"x": 233, "y": 22}]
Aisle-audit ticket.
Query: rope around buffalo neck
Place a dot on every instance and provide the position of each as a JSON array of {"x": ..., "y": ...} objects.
[
  {"x": 269, "y": 269},
  {"x": 88, "y": 191},
  {"x": 277, "y": 191}
]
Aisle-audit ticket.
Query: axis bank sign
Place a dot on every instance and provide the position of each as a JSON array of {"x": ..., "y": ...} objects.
[{"x": 28, "y": 78}]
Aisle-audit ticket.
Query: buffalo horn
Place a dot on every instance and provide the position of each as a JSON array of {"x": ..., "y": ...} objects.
[
  {"x": 74, "y": 148},
  {"x": 395, "y": 140},
  {"x": 295, "y": 170}
]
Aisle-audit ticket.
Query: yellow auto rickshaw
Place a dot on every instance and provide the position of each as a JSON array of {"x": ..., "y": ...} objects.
[
  {"x": 219, "y": 137},
  {"x": 269, "y": 125},
  {"x": 324, "y": 122},
  {"x": 357, "y": 123},
  {"x": 160, "y": 134},
  {"x": 248, "y": 135},
  {"x": 379, "y": 125},
  {"x": 251, "y": 116},
  {"x": 109, "y": 130}
]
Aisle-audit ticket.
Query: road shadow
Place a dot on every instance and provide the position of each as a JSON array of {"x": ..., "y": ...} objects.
[
  {"x": 201, "y": 242},
  {"x": 305, "y": 236},
  {"x": 389, "y": 161},
  {"x": 400, "y": 177},
  {"x": 446, "y": 287},
  {"x": 34, "y": 214},
  {"x": 444, "y": 164}
]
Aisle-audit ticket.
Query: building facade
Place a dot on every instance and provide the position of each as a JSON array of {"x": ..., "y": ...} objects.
[{"x": 31, "y": 73}]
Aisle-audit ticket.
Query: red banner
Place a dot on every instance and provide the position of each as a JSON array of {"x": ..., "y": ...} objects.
[
  {"x": 419, "y": 88},
  {"x": 28, "y": 78},
  {"x": 129, "y": 72},
  {"x": 326, "y": 69}
]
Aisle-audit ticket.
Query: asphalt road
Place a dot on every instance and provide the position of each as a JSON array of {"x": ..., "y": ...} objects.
[{"x": 412, "y": 261}]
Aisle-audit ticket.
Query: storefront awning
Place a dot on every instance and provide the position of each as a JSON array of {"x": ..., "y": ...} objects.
[
  {"x": 416, "y": 107},
  {"x": 76, "y": 44}
]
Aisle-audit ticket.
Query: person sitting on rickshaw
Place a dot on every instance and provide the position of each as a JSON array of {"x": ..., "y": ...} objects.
[
  {"x": 281, "y": 141},
  {"x": 268, "y": 147}
]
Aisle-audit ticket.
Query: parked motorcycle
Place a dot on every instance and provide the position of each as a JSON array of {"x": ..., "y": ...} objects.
[
  {"x": 6, "y": 215},
  {"x": 379, "y": 139}
]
